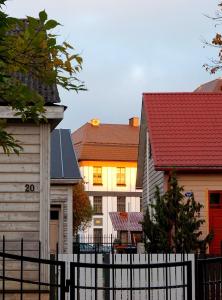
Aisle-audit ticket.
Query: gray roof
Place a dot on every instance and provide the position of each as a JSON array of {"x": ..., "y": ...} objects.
[
  {"x": 48, "y": 92},
  {"x": 64, "y": 165}
]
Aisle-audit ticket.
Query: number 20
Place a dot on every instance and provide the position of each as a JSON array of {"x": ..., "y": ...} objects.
[{"x": 29, "y": 188}]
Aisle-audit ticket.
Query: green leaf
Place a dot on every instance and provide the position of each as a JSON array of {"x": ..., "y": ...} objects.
[
  {"x": 50, "y": 24},
  {"x": 43, "y": 16}
]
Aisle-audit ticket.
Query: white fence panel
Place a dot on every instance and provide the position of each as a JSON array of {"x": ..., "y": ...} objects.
[{"x": 150, "y": 283}]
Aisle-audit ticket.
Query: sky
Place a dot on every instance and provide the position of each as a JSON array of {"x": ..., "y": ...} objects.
[{"x": 128, "y": 47}]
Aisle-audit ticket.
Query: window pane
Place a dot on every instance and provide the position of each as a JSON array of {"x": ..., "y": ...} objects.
[
  {"x": 97, "y": 175},
  {"x": 98, "y": 235},
  {"x": 54, "y": 215},
  {"x": 121, "y": 176},
  {"x": 97, "y": 205},
  {"x": 121, "y": 203},
  {"x": 214, "y": 198}
]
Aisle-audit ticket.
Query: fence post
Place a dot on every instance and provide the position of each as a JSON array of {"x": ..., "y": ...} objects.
[
  {"x": 106, "y": 274},
  {"x": 21, "y": 283},
  {"x": 72, "y": 281},
  {"x": 62, "y": 281},
  {"x": 39, "y": 270},
  {"x": 96, "y": 283},
  {"x": 3, "y": 271},
  {"x": 131, "y": 277},
  {"x": 189, "y": 280}
]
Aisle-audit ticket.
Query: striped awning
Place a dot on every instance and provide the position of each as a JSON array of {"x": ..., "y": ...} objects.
[{"x": 124, "y": 221}]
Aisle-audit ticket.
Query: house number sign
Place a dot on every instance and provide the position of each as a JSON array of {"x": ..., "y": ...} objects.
[{"x": 31, "y": 188}]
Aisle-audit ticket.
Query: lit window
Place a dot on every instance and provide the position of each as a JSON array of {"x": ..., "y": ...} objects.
[
  {"x": 97, "y": 175},
  {"x": 97, "y": 205},
  {"x": 121, "y": 176},
  {"x": 121, "y": 203}
]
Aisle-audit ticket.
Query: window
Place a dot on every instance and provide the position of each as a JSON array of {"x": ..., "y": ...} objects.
[
  {"x": 121, "y": 203},
  {"x": 215, "y": 199},
  {"x": 121, "y": 176},
  {"x": 98, "y": 235},
  {"x": 54, "y": 215},
  {"x": 97, "y": 175},
  {"x": 97, "y": 205}
]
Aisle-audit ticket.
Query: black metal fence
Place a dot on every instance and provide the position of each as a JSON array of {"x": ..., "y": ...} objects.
[
  {"x": 102, "y": 244},
  {"x": 130, "y": 277},
  {"x": 209, "y": 278},
  {"x": 107, "y": 275},
  {"x": 23, "y": 271}
]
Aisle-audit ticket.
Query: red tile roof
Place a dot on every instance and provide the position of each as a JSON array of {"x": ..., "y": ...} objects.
[
  {"x": 107, "y": 142},
  {"x": 185, "y": 129},
  {"x": 120, "y": 221}
]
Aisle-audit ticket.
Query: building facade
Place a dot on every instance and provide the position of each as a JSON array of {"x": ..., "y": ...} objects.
[
  {"x": 107, "y": 155},
  {"x": 182, "y": 132}
]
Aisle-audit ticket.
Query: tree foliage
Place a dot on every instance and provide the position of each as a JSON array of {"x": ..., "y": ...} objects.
[
  {"x": 175, "y": 222},
  {"x": 30, "y": 47},
  {"x": 216, "y": 42},
  {"x": 82, "y": 209}
]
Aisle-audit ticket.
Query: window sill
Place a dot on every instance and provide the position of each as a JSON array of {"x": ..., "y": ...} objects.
[
  {"x": 98, "y": 184},
  {"x": 97, "y": 214},
  {"x": 121, "y": 184}
]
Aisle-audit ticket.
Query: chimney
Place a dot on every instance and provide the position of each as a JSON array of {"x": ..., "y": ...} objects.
[
  {"x": 95, "y": 122},
  {"x": 134, "y": 121}
]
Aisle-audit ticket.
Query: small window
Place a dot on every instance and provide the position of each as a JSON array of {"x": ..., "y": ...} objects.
[
  {"x": 215, "y": 199},
  {"x": 97, "y": 205},
  {"x": 97, "y": 175},
  {"x": 121, "y": 176},
  {"x": 98, "y": 235},
  {"x": 121, "y": 203},
  {"x": 54, "y": 215}
]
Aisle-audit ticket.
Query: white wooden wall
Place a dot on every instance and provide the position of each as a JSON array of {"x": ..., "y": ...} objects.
[{"x": 24, "y": 187}]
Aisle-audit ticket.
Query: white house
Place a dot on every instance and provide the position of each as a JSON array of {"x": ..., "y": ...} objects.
[{"x": 107, "y": 155}]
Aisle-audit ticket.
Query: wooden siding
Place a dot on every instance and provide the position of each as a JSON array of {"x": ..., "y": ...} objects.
[
  {"x": 156, "y": 178},
  {"x": 19, "y": 210},
  {"x": 145, "y": 191},
  {"x": 200, "y": 184},
  {"x": 62, "y": 195}
]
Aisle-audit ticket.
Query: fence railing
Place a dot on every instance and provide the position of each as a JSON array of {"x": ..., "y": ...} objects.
[
  {"x": 130, "y": 276},
  {"x": 107, "y": 275},
  {"x": 21, "y": 274},
  {"x": 209, "y": 278}
]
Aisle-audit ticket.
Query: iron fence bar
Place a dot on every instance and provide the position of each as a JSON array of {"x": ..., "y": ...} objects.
[
  {"x": 149, "y": 277},
  {"x": 57, "y": 270},
  {"x": 62, "y": 281},
  {"x": 30, "y": 259},
  {"x": 166, "y": 270},
  {"x": 113, "y": 276},
  {"x": 72, "y": 281},
  {"x": 39, "y": 269},
  {"x": 3, "y": 271},
  {"x": 131, "y": 279},
  {"x": 96, "y": 273},
  {"x": 189, "y": 280},
  {"x": 21, "y": 283}
]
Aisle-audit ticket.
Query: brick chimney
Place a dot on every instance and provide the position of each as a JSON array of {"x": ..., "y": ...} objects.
[{"x": 134, "y": 121}]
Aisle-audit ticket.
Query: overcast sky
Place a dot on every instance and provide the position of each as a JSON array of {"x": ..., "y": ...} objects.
[{"x": 129, "y": 47}]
